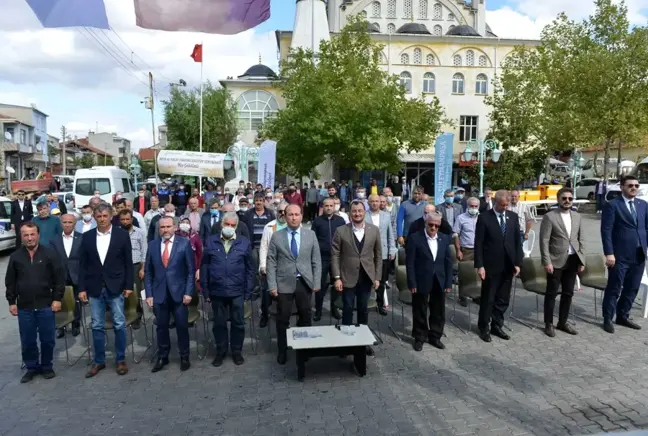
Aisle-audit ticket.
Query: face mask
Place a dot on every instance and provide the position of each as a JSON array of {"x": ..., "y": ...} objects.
[
  {"x": 213, "y": 212},
  {"x": 459, "y": 196},
  {"x": 361, "y": 195},
  {"x": 166, "y": 237},
  {"x": 228, "y": 232},
  {"x": 337, "y": 207},
  {"x": 473, "y": 211},
  {"x": 181, "y": 188},
  {"x": 222, "y": 202},
  {"x": 449, "y": 200},
  {"x": 185, "y": 227},
  {"x": 390, "y": 200},
  {"x": 227, "y": 191},
  {"x": 170, "y": 214},
  {"x": 241, "y": 185},
  {"x": 281, "y": 225},
  {"x": 163, "y": 187},
  {"x": 243, "y": 209},
  {"x": 87, "y": 217},
  {"x": 141, "y": 194}
]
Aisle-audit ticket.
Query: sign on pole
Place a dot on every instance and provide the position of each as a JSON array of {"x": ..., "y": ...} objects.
[
  {"x": 442, "y": 165},
  {"x": 267, "y": 164},
  {"x": 191, "y": 163}
]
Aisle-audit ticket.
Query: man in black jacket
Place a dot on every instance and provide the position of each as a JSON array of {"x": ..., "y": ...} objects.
[
  {"x": 324, "y": 227},
  {"x": 21, "y": 212},
  {"x": 419, "y": 224},
  {"x": 35, "y": 282}
]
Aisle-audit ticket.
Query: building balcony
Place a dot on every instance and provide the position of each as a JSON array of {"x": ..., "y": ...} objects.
[{"x": 56, "y": 159}]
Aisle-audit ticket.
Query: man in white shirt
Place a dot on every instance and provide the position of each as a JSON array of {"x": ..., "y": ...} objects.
[
  {"x": 524, "y": 217},
  {"x": 87, "y": 221},
  {"x": 152, "y": 212},
  {"x": 141, "y": 222},
  {"x": 339, "y": 212}
]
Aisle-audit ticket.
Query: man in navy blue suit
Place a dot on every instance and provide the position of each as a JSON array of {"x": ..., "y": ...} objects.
[
  {"x": 429, "y": 276},
  {"x": 106, "y": 279},
  {"x": 624, "y": 225},
  {"x": 169, "y": 275}
]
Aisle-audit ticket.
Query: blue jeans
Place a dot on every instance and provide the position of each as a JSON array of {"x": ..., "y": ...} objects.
[
  {"x": 98, "y": 314},
  {"x": 35, "y": 323},
  {"x": 232, "y": 308}
]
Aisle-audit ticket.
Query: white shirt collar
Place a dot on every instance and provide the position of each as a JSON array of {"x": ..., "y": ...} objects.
[
  {"x": 627, "y": 200},
  {"x": 431, "y": 238},
  {"x": 68, "y": 237},
  {"x": 104, "y": 234},
  {"x": 358, "y": 228}
]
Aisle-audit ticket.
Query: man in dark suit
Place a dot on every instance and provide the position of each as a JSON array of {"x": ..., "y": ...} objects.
[
  {"x": 21, "y": 212},
  {"x": 356, "y": 264},
  {"x": 153, "y": 232},
  {"x": 68, "y": 247},
  {"x": 106, "y": 279},
  {"x": 169, "y": 277},
  {"x": 498, "y": 257},
  {"x": 419, "y": 224},
  {"x": 486, "y": 202},
  {"x": 210, "y": 218},
  {"x": 429, "y": 274},
  {"x": 624, "y": 225}
]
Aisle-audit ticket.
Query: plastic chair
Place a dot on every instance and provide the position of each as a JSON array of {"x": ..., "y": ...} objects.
[
  {"x": 64, "y": 318},
  {"x": 534, "y": 280},
  {"x": 594, "y": 276},
  {"x": 469, "y": 286},
  {"x": 527, "y": 246},
  {"x": 644, "y": 288}
]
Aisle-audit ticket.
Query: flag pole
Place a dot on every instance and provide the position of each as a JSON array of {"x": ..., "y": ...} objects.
[{"x": 201, "y": 109}]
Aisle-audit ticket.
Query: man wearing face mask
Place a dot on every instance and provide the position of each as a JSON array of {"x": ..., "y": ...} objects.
[
  {"x": 464, "y": 228},
  {"x": 324, "y": 227},
  {"x": 269, "y": 200},
  {"x": 169, "y": 211},
  {"x": 180, "y": 198},
  {"x": 143, "y": 201},
  {"x": 339, "y": 212},
  {"x": 241, "y": 229},
  {"x": 209, "y": 219},
  {"x": 49, "y": 227},
  {"x": 186, "y": 231},
  {"x": 293, "y": 197},
  {"x": 361, "y": 196},
  {"x": 226, "y": 276},
  {"x": 164, "y": 195},
  {"x": 87, "y": 221},
  {"x": 460, "y": 199},
  {"x": 243, "y": 207},
  {"x": 449, "y": 209}
]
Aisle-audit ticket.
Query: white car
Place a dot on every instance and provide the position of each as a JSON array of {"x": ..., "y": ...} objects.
[
  {"x": 585, "y": 188},
  {"x": 7, "y": 236}
]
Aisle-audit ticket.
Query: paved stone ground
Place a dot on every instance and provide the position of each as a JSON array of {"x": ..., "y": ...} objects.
[{"x": 590, "y": 383}]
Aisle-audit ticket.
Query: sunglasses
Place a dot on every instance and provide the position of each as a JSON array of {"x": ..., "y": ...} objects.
[
  {"x": 632, "y": 185},
  {"x": 434, "y": 226},
  {"x": 281, "y": 212},
  {"x": 566, "y": 198}
]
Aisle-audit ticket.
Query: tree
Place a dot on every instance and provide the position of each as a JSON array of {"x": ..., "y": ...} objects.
[
  {"x": 585, "y": 84},
  {"x": 345, "y": 106},
  {"x": 88, "y": 160},
  {"x": 182, "y": 117}
]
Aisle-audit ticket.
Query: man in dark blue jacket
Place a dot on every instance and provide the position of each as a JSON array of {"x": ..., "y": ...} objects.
[
  {"x": 227, "y": 277},
  {"x": 324, "y": 227}
]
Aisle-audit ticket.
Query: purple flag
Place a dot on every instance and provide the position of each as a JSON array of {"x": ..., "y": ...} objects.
[
  {"x": 70, "y": 13},
  {"x": 225, "y": 17}
]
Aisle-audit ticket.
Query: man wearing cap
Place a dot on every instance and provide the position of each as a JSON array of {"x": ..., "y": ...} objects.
[{"x": 460, "y": 198}]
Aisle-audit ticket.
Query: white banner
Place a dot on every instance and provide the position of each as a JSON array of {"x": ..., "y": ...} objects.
[
  {"x": 267, "y": 164},
  {"x": 191, "y": 163}
]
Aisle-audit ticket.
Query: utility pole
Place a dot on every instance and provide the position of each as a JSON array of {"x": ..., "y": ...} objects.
[
  {"x": 63, "y": 157},
  {"x": 151, "y": 106}
]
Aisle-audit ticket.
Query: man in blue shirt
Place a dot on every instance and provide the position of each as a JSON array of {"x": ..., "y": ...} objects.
[
  {"x": 409, "y": 211},
  {"x": 48, "y": 226}
]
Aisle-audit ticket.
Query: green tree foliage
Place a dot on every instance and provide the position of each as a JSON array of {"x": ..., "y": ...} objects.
[
  {"x": 182, "y": 117},
  {"x": 585, "y": 84},
  {"x": 86, "y": 161},
  {"x": 347, "y": 107}
]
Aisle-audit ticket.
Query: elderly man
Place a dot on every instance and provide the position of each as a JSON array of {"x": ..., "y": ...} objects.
[
  {"x": 241, "y": 228},
  {"x": 152, "y": 212},
  {"x": 429, "y": 276},
  {"x": 419, "y": 224},
  {"x": 522, "y": 211},
  {"x": 137, "y": 217},
  {"x": 49, "y": 227},
  {"x": 194, "y": 213},
  {"x": 294, "y": 270},
  {"x": 227, "y": 278},
  {"x": 460, "y": 199},
  {"x": 464, "y": 228},
  {"x": 382, "y": 220},
  {"x": 449, "y": 210}
]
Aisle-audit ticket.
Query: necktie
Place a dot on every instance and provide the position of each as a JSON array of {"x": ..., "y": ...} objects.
[
  {"x": 502, "y": 223},
  {"x": 165, "y": 254},
  {"x": 293, "y": 245},
  {"x": 633, "y": 211}
]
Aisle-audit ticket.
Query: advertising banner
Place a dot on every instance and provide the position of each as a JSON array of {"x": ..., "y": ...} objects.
[
  {"x": 191, "y": 163},
  {"x": 442, "y": 165},
  {"x": 267, "y": 164}
]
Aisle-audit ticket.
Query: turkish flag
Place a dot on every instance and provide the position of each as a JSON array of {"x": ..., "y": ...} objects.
[{"x": 196, "y": 55}]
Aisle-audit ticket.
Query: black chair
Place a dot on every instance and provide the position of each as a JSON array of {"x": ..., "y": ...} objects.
[
  {"x": 469, "y": 286},
  {"x": 64, "y": 318},
  {"x": 534, "y": 280},
  {"x": 594, "y": 276}
]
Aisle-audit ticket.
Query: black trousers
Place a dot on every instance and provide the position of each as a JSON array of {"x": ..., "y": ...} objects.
[
  {"x": 564, "y": 277},
  {"x": 495, "y": 296},
  {"x": 311, "y": 211},
  {"x": 302, "y": 297},
  {"x": 434, "y": 300},
  {"x": 325, "y": 284},
  {"x": 358, "y": 298},
  {"x": 380, "y": 292}
]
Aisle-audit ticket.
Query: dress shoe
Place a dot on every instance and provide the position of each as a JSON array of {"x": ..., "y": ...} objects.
[
  {"x": 28, "y": 376},
  {"x": 549, "y": 330},
  {"x": 485, "y": 336},
  {"x": 437, "y": 344},
  {"x": 238, "y": 359},
  {"x": 382, "y": 311},
  {"x": 122, "y": 368},
  {"x": 48, "y": 374},
  {"x": 418, "y": 345},
  {"x": 497, "y": 331},
  {"x": 608, "y": 326},
  {"x": 94, "y": 370},
  {"x": 60, "y": 333},
  {"x": 628, "y": 323},
  {"x": 476, "y": 300},
  {"x": 264, "y": 322},
  {"x": 184, "y": 363},
  {"x": 317, "y": 316},
  {"x": 567, "y": 329},
  {"x": 335, "y": 313},
  {"x": 282, "y": 357},
  {"x": 369, "y": 351},
  {"x": 76, "y": 331},
  {"x": 218, "y": 360},
  {"x": 463, "y": 301},
  {"x": 160, "y": 364},
  {"x": 137, "y": 324}
]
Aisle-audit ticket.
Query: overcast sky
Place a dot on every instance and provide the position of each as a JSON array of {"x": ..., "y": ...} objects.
[{"x": 73, "y": 77}]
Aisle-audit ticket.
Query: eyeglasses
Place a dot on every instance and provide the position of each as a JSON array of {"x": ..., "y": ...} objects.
[
  {"x": 281, "y": 212},
  {"x": 434, "y": 226},
  {"x": 567, "y": 198},
  {"x": 632, "y": 185}
]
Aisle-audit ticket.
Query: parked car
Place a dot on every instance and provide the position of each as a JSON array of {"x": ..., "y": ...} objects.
[
  {"x": 585, "y": 188},
  {"x": 7, "y": 236}
]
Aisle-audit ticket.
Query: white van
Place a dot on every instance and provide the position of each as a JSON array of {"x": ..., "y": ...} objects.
[
  {"x": 107, "y": 180},
  {"x": 7, "y": 235}
]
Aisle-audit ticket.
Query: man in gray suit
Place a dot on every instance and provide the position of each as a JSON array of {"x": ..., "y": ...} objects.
[
  {"x": 294, "y": 271},
  {"x": 563, "y": 256},
  {"x": 449, "y": 210},
  {"x": 382, "y": 220},
  {"x": 356, "y": 264}
]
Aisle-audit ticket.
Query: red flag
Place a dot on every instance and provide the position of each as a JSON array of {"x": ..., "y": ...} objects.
[{"x": 196, "y": 55}]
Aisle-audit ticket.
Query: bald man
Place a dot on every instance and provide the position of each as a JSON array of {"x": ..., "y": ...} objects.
[
  {"x": 67, "y": 246},
  {"x": 419, "y": 224}
]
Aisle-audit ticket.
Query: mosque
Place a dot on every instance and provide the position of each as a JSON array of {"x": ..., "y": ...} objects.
[{"x": 441, "y": 48}]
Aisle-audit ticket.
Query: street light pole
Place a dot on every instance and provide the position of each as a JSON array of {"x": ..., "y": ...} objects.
[
  {"x": 482, "y": 146},
  {"x": 576, "y": 161}
]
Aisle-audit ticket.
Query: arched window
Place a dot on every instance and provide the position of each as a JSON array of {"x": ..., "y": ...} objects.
[
  {"x": 377, "y": 26},
  {"x": 363, "y": 14},
  {"x": 405, "y": 59},
  {"x": 437, "y": 11},
  {"x": 428, "y": 83},
  {"x": 451, "y": 27},
  {"x": 470, "y": 58},
  {"x": 437, "y": 31},
  {"x": 254, "y": 107},
  {"x": 407, "y": 9},
  {"x": 406, "y": 81},
  {"x": 391, "y": 9},
  {"x": 458, "y": 84},
  {"x": 429, "y": 59},
  {"x": 391, "y": 28},
  {"x": 481, "y": 85},
  {"x": 383, "y": 58},
  {"x": 375, "y": 9},
  {"x": 483, "y": 62},
  {"x": 423, "y": 7},
  {"x": 451, "y": 16},
  {"x": 456, "y": 60},
  {"x": 417, "y": 56}
]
